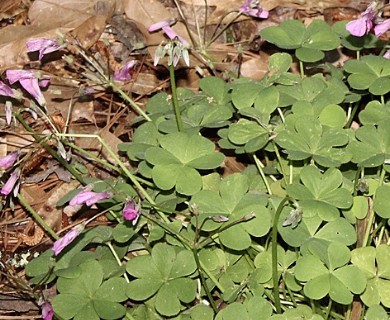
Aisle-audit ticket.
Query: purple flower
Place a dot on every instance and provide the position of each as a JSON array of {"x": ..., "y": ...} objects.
[
  {"x": 11, "y": 184},
  {"x": 47, "y": 311},
  {"x": 363, "y": 25},
  {"x": 252, "y": 8},
  {"x": 8, "y": 160},
  {"x": 131, "y": 212},
  {"x": 5, "y": 90},
  {"x": 123, "y": 74},
  {"x": 165, "y": 26},
  {"x": 43, "y": 45},
  {"x": 88, "y": 197},
  {"x": 381, "y": 28},
  {"x": 28, "y": 81},
  {"x": 387, "y": 54},
  {"x": 159, "y": 25},
  {"x": 63, "y": 242}
]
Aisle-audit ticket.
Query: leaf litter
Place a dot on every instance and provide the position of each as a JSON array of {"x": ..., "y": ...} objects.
[{"x": 114, "y": 31}]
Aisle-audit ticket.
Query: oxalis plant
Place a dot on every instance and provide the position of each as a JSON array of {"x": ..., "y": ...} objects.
[{"x": 301, "y": 233}]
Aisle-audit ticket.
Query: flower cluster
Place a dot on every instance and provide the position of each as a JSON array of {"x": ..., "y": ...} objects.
[
  {"x": 177, "y": 48},
  {"x": 365, "y": 23},
  {"x": 29, "y": 80}
]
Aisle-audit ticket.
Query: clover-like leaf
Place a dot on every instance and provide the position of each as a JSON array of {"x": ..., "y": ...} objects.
[
  {"x": 370, "y": 72},
  {"x": 301, "y": 312},
  {"x": 316, "y": 90},
  {"x": 308, "y": 230},
  {"x": 234, "y": 202},
  {"x": 306, "y": 138},
  {"x": 374, "y": 112},
  {"x": 254, "y": 308},
  {"x": 162, "y": 274},
  {"x": 176, "y": 160},
  {"x": 321, "y": 188},
  {"x": 248, "y": 133},
  {"x": 375, "y": 263},
  {"x": 88, "y": 295},
  {"x": 372, "y": 145},
  {"x": 331, "y": 276},
  {"x": 309, "y": 42},
  {"x": 144, "y": 137}
]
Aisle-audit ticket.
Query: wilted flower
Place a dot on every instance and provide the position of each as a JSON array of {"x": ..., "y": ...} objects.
[
  {"x": 131, "y": 211},
  {"x": 293, "y": 219},
  {"x": 8, "y": 112},
  {"x": 381, "y": 28},
  {"x": 123, "y": 74},
  {"x": 8, "y": 160},
  {"x": 252, "y": 8},
  {"x": 43, "y": 45},
  {"x": 363, "y": 25},
  {"x": 11, "y": 184},
  {"x": 28, "y": 81},
  {"x": 63, "y": 242},
  {"x": 88, "y": 197},
  {"x": 47, "y": 311}
]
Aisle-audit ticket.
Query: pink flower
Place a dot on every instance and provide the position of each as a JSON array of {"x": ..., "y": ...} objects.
[
  {"x": 381, "y": 28},
  {"x": 131, "y": 212},
  {"x": 5, "y": 90},
  {"x": 123, "y": 74},
  {"x": 88, "y": 197},
  {"x": 8, "y": 160},
  {"x": 252, "y": 8},
  {"x": 47, "y": 311},
  {"x": 63, "y": 242},
  {"x": 159, "y": 25},
  {"x": 44, "y": 46},
  {"x": 165, "y": 26},
  {"x": 28, "y": 81},
  {"x": 387, "y": 54},
  {"x": 11, "y": 184},
  {"x": 364, "y": 24}
]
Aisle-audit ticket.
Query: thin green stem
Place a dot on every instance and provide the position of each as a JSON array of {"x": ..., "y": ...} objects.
[
  {"x": 301, "y": 69},
  {"x": 109, "y": 244},
  {"x": 212, "y": 278},
  {"x": 328, "y": 309},
  {"x": 372, "y": 213},
  {"x": 129, "y": 100},
  {"x": 274, "y": 251},
  {"x": 280, "y": 161},
  {"x": 121, "y": 164},
  {"x": 355, "y": 183},
  {"x": 37, "y": 217},
  {"x": 52, "y": 152},
  {"x": 175, "y": 101},
  {"x": 381, "y": 233},
  {"x": 203, "y": 281},
  {"x": 102, "y": 162},
  {"x": 352, "y": 115},
  {"x": 260, "y": 167}
]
